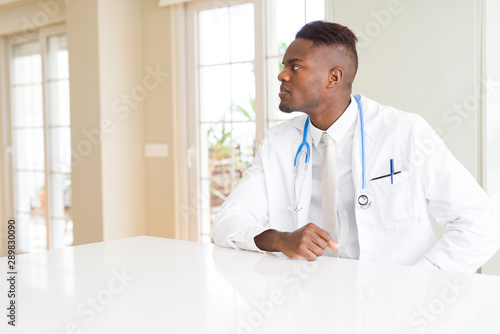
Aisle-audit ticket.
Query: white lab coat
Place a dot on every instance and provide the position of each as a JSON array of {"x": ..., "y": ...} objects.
[{"x": 396, "y": 228}]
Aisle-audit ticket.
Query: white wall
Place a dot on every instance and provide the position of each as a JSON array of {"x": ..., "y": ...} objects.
[
  {"x": 158, "y": 27},
  {"x": 122, "y": 73},
  {"x": 82, "y": 36},
  {"x": 491, "y": 121},
  {"x": 116, "y": 46},
  {"x": 30, "y": 16},
  {"x": 421, "y": 56},
  {"x": 105, "y": 48}
]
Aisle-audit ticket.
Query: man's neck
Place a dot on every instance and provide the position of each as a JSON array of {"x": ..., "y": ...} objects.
[{"x": 323, "y": 119}]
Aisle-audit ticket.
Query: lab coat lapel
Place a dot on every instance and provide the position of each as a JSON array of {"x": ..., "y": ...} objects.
[
  {"x": 306, "y": 192},
  {"x": 296, "y": 180}
]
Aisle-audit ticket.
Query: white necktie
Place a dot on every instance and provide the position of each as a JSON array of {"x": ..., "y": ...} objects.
[{"x": 329, "y": 192}]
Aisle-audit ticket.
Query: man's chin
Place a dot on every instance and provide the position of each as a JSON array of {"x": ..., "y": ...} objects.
[{"x": 285, "y": 108}]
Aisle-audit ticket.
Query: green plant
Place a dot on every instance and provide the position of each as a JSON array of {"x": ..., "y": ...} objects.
[{"x": 223, "y": 156}]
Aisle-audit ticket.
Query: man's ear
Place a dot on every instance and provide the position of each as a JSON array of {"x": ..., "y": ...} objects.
[{"x": 335, "y": 77}]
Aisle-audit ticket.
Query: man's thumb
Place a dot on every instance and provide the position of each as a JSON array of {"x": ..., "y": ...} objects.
[{"x": 333, "y": 245}]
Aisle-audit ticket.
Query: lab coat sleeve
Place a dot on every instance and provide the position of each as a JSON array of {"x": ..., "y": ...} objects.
[
  {"x": 424, "y": 263},
  {"x": 244, "y": 214},
  {"x": 457, "y": 202}
]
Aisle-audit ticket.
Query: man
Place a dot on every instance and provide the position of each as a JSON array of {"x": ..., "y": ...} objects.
[{"x": 393, "y": 158}]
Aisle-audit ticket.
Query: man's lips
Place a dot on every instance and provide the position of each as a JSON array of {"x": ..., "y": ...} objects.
[{"x": 283, "y": 91}]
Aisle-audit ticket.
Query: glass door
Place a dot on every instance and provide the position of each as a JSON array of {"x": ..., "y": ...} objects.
[{"x": 41, "y": 143}]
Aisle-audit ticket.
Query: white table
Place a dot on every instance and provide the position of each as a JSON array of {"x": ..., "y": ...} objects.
[{"x": 155, "y": 285}]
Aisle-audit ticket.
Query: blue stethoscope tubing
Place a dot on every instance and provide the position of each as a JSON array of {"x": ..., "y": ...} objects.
[
  {"x": 362, "y": 126},
  {"x": 306, "y": 165},
  {"x": 364, "y": 200}
]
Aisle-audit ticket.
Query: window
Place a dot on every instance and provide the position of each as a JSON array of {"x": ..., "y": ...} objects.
[
  {"x": 234, "y": 58},
  {"x": 41, "y": 141}
]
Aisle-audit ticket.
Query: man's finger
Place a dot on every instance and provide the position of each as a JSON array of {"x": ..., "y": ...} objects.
[
  {"x": 321, "y": 233},
  {"x": 320, "y": 242},
  {"x": 316, "y": 250},
  {"x": 309, "y": 255},
  {"x": 333, "y": 245}
]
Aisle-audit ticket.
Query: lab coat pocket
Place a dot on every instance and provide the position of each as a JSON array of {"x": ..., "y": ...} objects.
[{"x": 393, "y": 203}]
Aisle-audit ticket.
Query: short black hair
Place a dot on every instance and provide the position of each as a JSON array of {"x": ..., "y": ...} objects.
[{"x": 323, "y": 33}]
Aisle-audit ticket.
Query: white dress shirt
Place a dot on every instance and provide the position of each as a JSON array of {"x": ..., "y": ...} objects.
[{"x": 342, "y": 132}]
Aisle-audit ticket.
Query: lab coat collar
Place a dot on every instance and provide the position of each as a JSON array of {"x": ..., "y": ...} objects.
[
  {"x": 340, "y": 127},
  {"x": 298, "y": 122}
]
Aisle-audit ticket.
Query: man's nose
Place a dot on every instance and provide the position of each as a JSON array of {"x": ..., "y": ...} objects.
[{"x": 284, "y": 76}]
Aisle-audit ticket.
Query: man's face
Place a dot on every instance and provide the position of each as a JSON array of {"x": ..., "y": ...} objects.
[{"x": 305, "y": 76}]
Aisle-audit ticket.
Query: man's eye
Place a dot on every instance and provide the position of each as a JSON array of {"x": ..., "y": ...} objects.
[{"x": 295, "y": 67}]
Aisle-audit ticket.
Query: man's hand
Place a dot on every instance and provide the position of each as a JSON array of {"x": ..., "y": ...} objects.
[{"x": 308, "y": 241}]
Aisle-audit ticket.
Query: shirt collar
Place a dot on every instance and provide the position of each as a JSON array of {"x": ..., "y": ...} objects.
[{"x": 339, "y": 128}]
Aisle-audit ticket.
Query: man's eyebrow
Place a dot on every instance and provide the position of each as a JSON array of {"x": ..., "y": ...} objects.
[{"x": 292, "y": 60}]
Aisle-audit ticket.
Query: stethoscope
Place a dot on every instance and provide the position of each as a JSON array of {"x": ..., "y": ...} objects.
[{"x": 364, "y": 199}]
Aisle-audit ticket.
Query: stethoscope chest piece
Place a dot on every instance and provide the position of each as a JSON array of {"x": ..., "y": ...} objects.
[{"x": 364, "y": 201}]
